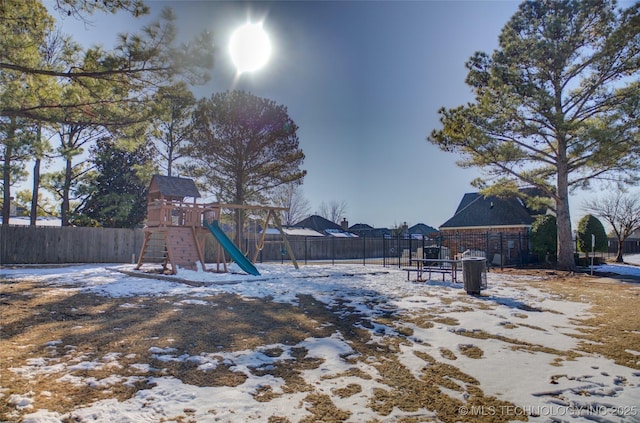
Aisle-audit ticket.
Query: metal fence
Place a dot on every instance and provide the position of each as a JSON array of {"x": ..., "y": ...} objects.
[
  {"x": 45, "y": 245},
  {"x": 500, "y": 249}
]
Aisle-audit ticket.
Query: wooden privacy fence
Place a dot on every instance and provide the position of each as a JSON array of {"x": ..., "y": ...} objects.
[{"x": 47, "y": 245}]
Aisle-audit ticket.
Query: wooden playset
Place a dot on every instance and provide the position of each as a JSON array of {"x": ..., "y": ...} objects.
[{"x": 176, "y": 229}]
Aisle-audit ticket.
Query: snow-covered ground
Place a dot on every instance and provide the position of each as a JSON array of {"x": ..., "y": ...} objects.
[{"x": 589, "y": 388}]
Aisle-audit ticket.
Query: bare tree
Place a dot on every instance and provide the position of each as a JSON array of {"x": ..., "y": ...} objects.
[
  {"x": 291, "y": 197},
  {"x": 621, "y": 211},
  {"x": 334, "y": 211}
]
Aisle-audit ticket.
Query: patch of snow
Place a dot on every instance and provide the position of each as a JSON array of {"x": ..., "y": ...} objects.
[{"x": 521, "y": 331}]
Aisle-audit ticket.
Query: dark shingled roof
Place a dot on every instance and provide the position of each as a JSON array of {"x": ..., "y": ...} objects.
[
  {"x": 317, "y": 223},
  {"x": 171, "y": 186},
  {"x": 363, "y": 230},
  {"x": 421, "y": 229},
  {"x": 476, "y": 210}
]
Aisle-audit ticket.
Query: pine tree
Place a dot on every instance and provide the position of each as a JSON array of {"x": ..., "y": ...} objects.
[
  {"x": 557, "y": 106},
  {"x": 245, "y": 146},
  {"x": 118, "y": 193}
]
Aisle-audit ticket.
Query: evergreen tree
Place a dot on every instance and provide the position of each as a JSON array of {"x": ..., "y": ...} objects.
[
  {"x": 171, "y": 129},
  {"x": 590, "y": 226},
  {"x": 132, "y": 71},
  {"x": 544, "y": 237},
  {"x": 556, "y": 107},
  {"x": 244, "y": 146},
  {"x": 118, "y": 193}
]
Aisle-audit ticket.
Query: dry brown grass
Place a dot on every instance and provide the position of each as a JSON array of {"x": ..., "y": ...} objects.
[{"x": 32, "y": 315}]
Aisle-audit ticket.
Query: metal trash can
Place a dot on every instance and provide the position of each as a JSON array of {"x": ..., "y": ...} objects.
[{"x": 474, "y": 275}]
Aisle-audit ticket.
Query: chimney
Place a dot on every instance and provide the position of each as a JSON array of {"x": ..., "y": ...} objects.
[{"x": 344, "y": 224}]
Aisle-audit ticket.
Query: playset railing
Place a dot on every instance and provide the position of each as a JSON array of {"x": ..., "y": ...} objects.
[{"x": 177, "y": 213}]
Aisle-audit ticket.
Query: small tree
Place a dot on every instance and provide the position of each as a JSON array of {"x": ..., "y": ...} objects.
[
  {"x": 118, "y": 197},
  {"x": 544, "y": 237},
  {"x": 588, "y": 227},
  {"x": 621, "y": 211}
]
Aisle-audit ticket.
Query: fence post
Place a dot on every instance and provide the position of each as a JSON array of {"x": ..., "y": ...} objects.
[
  {"x": 305, "y": 250},
  {"x": 384, "y": 251},
  {"x": 333, "y": 250},
  {"x": 501, "y": 252},
  {"x": 364, "y": 251}
]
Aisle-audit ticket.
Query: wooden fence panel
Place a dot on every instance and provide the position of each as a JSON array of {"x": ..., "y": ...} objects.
[{"x": 46, "y": 245}]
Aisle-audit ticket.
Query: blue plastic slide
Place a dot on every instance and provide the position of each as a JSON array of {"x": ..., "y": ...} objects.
[{"x": 231, "y": 249}]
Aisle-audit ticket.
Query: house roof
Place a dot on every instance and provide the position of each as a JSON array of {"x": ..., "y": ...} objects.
[
  {"x": 421, "y": 229},
  {"x": 294, "y": 231},
  {"x": 174, "y": 187},
  {"x": 318, "y": 223},
  {"x": 361, "y": 227},
  {"x": 475, "y": 210}
]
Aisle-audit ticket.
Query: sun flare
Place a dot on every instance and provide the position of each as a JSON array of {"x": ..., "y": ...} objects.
[{"x": 250, "y": 47}]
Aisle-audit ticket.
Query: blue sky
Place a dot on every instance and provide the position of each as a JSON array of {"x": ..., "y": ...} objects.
[{"x": 363, "y": 81}]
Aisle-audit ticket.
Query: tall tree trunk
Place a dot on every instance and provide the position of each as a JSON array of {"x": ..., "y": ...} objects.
[
  {"x": 6, "y": 172},
  {"x": 34, "y": 194},
  {"x": 66, "y": 189},
  {"x": 170, "y": 151},
  {"x": 6, "y": 183},
  {"x": 566, "y": 260},
  {"x": 36, "y": 179}
]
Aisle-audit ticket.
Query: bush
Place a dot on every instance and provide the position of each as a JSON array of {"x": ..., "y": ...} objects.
[
  {"x": 587, "y": 226},
  {"x": 544, "y": 237}
]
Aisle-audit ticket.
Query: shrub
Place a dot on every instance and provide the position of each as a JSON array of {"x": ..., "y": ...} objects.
[
  {"x": 544, "y": 236},
  {"x": 587, "y": 226}
]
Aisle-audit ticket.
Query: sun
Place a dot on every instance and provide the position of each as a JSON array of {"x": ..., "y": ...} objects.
[{"x": 250, "y": 47}]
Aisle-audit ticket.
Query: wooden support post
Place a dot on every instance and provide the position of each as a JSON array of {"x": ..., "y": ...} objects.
[
  {"x": 199, "y": 247},
  {"x": 147, "y": 235},
  {"x": 260, "y": 243},
  {"x": 276, "y": 220}
]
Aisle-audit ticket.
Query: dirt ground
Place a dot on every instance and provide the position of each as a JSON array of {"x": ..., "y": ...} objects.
[{"x": 31, "y": 315}]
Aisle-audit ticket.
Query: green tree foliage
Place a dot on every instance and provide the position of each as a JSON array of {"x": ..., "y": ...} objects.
[
  {"x": 244, "y": 146},
  {"x": 126, "y": 77},
  {"x": 544, "y": 237},
  {"x": 24, "y": 30},
  {"x": 16, "y": 135},
  {"x": 170, "y": 131},
  {"x": 45, "y": 207},
  {"x": 77, "y": 191},
  {"x": 81, "y": 8},
  {"x": 590, "y": 225},
  {"x": 118, "y": 192},
  {"x": 587, "y": 226},
  {"x": 49, "y": 79},
  {"x": 556, "y": 106}
]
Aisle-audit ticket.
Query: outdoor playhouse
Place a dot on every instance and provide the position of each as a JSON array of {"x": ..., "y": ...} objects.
[{"x": 176, "y": 229}]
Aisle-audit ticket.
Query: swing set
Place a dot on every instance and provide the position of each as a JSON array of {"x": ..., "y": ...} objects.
[{"x": 176, "y": 230}]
